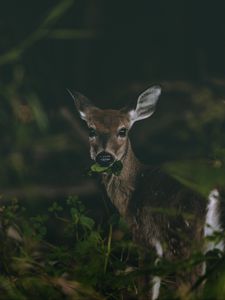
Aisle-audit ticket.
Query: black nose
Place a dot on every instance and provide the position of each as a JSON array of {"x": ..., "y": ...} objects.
[{"x": 104, "y": 159}]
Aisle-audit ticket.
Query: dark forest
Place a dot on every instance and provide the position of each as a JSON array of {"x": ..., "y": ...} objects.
[{"x": 59, "y": 237}]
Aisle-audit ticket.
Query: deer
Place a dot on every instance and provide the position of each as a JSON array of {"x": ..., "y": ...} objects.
[{"x": 163, "y": 215}]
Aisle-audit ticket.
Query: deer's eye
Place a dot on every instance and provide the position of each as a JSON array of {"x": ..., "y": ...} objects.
[
  {"x": 92, "y": 132},
  {"x": 122, "y": 132}
]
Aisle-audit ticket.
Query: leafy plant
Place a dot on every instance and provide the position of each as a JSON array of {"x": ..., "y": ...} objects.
[
  {"x": 201, "y": 176},
  {"x": 114, "y": 168},
  {"x": 86, "y": 260},
  {"x": 85, "y": 264}
]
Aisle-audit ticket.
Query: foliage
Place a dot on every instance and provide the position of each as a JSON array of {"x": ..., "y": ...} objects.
[
  {"x": 201, "y": 176},
  {"x": 85, "y": 261},
  {"x": 115, "y": 168}
]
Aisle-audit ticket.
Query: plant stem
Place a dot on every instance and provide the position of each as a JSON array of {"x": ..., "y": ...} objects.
[{"x": 108, "y": 248}]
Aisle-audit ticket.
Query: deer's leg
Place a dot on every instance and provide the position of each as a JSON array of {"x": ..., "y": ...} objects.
[
  {"x": 149, "y": 285},
  {"x": 156, "y": 281}
]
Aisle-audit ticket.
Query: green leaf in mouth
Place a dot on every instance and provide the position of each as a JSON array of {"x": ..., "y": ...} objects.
[{"x": 114, "y": 168}]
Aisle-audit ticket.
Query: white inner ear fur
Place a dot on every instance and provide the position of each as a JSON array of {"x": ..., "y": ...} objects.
[{"x": 145, "y": 104}]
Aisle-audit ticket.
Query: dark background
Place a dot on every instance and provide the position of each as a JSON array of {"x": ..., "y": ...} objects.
[
  {"x": 110, "y": 51},
  {"x": 132, "y": 41}
]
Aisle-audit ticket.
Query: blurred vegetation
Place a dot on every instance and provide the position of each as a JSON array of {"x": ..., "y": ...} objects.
[
  {"x": 88, "y": 261},
  {"x": 110, "y": 51}
]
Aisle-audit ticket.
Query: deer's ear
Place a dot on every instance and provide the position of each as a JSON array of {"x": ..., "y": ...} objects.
[
  {"x": 82, "y": 103},
  {"x": 146, "y": 104}
]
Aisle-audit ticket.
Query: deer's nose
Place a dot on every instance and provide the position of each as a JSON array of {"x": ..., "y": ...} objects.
[{"x": 104, "y": 159}]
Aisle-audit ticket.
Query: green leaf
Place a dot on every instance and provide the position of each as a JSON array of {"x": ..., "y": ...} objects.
[
  {"x": 98, "y": 169},
  {"x": 115, "y": 168},
  {"x": 55, "y": 207},
  {"x": 201, "y": 176},
  {"x": 87, "y": 222}
]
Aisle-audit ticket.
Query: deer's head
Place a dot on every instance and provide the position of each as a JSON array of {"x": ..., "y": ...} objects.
[{"x": 108, "y": 129}]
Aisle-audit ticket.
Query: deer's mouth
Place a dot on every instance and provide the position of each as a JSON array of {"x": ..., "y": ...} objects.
[{"x": 104, "y": 159}]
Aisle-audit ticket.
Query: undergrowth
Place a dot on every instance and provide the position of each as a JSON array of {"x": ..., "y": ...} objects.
[{"x": 86, "y": 260}]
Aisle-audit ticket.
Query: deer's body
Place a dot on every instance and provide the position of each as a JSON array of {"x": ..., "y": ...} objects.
[
  {"x": 162, "y": 214},
  {"x": 157, "y": 208}
]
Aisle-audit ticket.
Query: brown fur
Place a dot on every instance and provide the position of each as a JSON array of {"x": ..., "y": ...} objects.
[{"x": 156, "y": 207}]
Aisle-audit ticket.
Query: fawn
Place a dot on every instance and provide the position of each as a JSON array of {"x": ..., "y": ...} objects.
[{"x": 162, "y": 214}]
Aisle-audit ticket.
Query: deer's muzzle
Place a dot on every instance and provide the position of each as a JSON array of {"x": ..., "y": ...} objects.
[{"x": 104, "y": 159}]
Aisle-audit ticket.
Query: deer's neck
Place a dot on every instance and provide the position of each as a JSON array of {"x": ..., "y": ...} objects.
[{"x": 120, "y": 188}]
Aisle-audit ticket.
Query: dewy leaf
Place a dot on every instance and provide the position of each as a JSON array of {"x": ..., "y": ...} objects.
[
  {"x": 115, "y": 168},
  {"x": 201, "y": 176}
]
